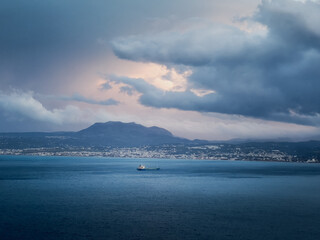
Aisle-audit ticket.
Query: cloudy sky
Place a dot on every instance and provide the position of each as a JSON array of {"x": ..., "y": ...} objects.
[{"x": 203, "y": 69}]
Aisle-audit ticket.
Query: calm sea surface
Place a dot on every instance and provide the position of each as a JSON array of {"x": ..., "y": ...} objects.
[{"x": 104, "y": 198}]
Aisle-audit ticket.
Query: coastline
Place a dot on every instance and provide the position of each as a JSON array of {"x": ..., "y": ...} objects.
[{"x": 145, "y": 155}]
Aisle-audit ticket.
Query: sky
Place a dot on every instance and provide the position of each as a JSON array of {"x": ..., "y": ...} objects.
[{"x": 204, "y": 69}]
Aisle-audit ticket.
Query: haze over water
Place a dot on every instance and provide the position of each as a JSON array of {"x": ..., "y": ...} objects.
[{"x": 104, "y": 198}]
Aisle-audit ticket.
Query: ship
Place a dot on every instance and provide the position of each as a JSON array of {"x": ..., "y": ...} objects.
[{"x": 144, "y": 168}]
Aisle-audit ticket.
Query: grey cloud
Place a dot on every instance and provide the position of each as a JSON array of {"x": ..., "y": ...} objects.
[
  {"x": 22, "y": 111},
  {"x": 79, "y": 98},
  {"x": 44, "y": 44},
  {"x": 152, "y": 96},
  {"x": 106, "y": 86},
  {"x": 187, "y": 100},
  {"x": 194, "y": 48},
  {"x": 274, "y": 77},
  {"x": 127, "y": 90},
  {"x": 24, "y": 105}
]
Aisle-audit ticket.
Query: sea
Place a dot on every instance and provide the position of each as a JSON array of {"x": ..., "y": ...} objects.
[{"x": 71, "y": 198}]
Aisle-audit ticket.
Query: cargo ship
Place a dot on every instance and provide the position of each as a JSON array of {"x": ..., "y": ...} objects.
[{"x": 144, "y": 168}]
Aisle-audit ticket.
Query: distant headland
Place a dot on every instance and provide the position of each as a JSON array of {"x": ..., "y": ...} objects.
[{"x": 118, "y": 139}]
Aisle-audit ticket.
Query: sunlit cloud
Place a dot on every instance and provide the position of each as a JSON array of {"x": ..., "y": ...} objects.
[{"x": 201, "y": 92}]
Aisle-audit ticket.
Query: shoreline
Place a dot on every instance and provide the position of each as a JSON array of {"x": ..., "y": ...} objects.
[{"x": 95, "y": 154}]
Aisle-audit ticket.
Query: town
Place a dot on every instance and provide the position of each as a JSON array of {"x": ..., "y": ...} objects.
[{"x": 244, "y": 152}]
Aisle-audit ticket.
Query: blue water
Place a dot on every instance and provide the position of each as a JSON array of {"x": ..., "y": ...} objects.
[{"x": 103, "y": 198}]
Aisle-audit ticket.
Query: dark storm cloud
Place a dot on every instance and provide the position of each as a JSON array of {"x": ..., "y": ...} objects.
[
  {"x": 52, "y": 47},
  {"x": 274, "y": 76},
  {"x": 43, "y": 44},
  {"x": 194, "y": 48},
  {"x": 152, "y": 96}
]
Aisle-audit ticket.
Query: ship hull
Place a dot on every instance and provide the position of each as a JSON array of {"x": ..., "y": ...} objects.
[{"x": 148, "y": 169}]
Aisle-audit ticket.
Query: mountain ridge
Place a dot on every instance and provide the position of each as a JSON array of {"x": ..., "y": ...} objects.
[
  {"x": 112, "y": 133},
  {"x": 128, "y": 134},
  {"x": 118, "y": 139}
]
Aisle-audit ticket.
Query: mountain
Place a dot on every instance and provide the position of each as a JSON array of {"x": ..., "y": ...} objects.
[
  {"x": 127, "y": 134},
  {"x": 114, "y": 134},
  {"x": 155, "y": 141}
]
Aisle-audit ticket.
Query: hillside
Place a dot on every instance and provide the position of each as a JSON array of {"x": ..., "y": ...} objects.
[{"x": 114, "y": 134}]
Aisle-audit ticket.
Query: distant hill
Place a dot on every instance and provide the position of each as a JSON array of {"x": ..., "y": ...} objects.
[
  {"x": 127, "y": 134},
  {"x": 158, "y": 141},
  {"x": 119, "y": 134},
  {"x": 114, "y": 134}
]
